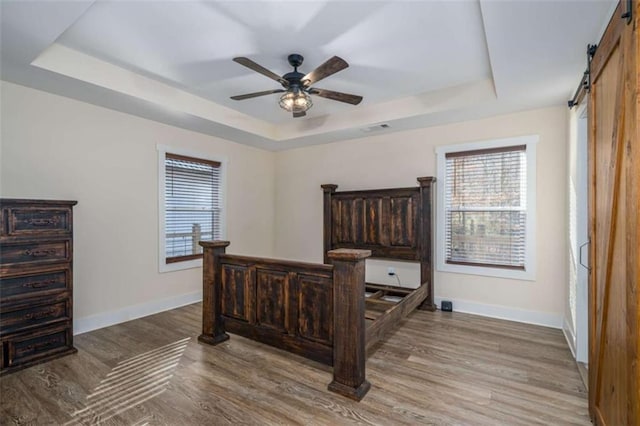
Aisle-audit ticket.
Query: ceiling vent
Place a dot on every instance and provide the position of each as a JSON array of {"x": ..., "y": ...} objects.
[{"x": 376, "y": 128}]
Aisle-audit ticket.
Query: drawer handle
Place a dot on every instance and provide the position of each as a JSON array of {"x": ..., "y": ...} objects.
[
  {"x": 42, "y": 345},
  {"x": 39, "y": 315},
  {"x": 42, "y": 222},
  {"x": 39, "y": 284},
  {"x": 39, "y": 253}
]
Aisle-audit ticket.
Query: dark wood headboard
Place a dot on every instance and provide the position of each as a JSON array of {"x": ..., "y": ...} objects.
[{"x": 393, "y": 223}]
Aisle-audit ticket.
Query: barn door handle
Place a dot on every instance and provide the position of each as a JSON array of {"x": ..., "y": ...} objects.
[
  {"x": 628, "y": 14},
  {"x": 587, "y": 267}
]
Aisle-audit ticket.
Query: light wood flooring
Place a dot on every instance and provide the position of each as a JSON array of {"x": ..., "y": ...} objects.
[{"x": 435, "y": 368}]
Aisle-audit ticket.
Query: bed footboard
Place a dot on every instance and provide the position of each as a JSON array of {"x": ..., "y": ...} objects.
[{"x": 313, "y": 310}]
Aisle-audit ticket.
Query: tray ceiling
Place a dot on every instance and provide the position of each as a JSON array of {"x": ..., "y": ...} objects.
[{"x": 415, "y": 63}]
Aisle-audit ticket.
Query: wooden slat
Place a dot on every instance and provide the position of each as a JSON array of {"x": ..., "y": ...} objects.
[
  {"x": 381, "y": 302},
  {"x": 388, "y": 289},
  {"x": 376, "y": 295}
]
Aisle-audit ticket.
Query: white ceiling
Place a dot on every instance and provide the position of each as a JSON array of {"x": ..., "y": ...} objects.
[{"x": 416, "y": 63}]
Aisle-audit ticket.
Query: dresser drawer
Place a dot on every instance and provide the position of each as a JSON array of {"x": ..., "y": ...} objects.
[
  {"x": 22, "y": 349},
  {"x": 38, "y": 221},
  {"x": 35, "y": 283},
  {"x": 22, "y": 317},
  {"x": 35, "y": 252}
]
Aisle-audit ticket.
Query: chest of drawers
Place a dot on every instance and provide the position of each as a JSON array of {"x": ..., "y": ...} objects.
[{"x": 36, "y": 282}]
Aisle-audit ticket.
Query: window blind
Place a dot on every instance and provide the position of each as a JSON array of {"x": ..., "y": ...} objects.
[
  {"x": 486, "y": 207},
  {"x": 192, "y": 205}
]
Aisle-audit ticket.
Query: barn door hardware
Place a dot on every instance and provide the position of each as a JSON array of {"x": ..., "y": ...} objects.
[
  {"x": 591, "y": 51},
  {"x": 628, "y": 15},
  {"x": 585, "y": 83},
  {"x": 587, "y": 267}
]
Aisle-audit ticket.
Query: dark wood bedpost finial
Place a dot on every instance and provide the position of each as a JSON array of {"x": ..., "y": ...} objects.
[
  {"x": 349, "y": 333},
  {"x": 426, "y": 235},
  {"x": 212, "y": 327},
  {"x": 328, "y": 190}
]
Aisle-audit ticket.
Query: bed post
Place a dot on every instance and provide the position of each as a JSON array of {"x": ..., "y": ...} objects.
[
  {"x": 426, "y": 234},
  {"x": 349, "y": 333},
  {"x": 328, "y": 190},
  {"x": 212, "y": 327}
]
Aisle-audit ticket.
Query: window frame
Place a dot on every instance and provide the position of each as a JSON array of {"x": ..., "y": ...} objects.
[
  {"x": 529, "y": 271},
  {"x": 163, "y": 150}
]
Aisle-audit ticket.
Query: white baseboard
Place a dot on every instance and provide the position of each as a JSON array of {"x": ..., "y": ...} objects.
[
  {"x": 570, "y": 336},
  {"x": 503, "y": 312},
  {"x": 105, "y": 319}
]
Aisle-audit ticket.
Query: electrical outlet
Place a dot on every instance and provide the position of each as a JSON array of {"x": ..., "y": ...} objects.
[{"x": 391, "y": 271}]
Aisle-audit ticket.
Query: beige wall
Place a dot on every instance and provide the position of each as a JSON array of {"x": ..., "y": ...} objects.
[
  {"x": 54, "y": 147},
  {"x": 58, "y": 148},
  {"x": 396, "y": 159}
]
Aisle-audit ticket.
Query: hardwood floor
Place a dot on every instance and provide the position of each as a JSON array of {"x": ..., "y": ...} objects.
[{"x": 436, "y": 368}]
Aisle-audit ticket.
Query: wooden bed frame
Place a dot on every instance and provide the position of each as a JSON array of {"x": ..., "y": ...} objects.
[
  {"x": 326, "y": 312},
  {"x": 395, "y": 224}
]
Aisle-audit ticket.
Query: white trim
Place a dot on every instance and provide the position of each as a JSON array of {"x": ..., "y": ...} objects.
[
  {"x": 581, "y": 112},
  {"x": 224, "y": 163},
  {"x": 569, "y": 336},
  {"x": 529, "y": 272},
  {"x": 545, "y": 319},
  {"x": 105, "y": 319},
  {"x": 582, "y": 235}
]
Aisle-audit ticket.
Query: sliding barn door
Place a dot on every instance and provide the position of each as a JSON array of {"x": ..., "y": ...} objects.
[{"x": 614, "y": 162}]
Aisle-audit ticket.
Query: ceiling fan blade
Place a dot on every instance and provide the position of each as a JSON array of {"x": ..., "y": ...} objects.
[
  {"x": 260, "y": 69},
  {"x": 299, "y": 114},
  {"x": 336, "y": 96},
  {"x": 330, "y": 67},
  {"x": 256, "y": 94}
]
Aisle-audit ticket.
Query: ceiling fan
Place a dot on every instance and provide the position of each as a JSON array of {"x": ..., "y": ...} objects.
[{"x": 297, "y": 86}]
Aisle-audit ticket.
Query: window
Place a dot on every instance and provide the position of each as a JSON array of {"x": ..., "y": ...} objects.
[
  {"x": 191, "y": 207},
  {"x": 486, "y": 195}
]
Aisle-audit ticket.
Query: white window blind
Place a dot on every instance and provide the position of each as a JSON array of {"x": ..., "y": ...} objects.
[
  {"x": 486, "y": 207},
  {"x": 192, "y": 205}
]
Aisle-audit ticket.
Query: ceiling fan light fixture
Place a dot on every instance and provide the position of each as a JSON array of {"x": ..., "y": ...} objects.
[
  {"x": 297, "y": 86},
  {"x": 295, "y": 101}
]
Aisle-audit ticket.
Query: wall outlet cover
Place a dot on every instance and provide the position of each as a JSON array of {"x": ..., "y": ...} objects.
[{"x": 446, "y": 306}]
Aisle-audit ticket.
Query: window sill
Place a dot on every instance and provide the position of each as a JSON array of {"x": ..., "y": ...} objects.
[
  {"x": 179, "y": 266},
  {"x": 528, "y": 274}
]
